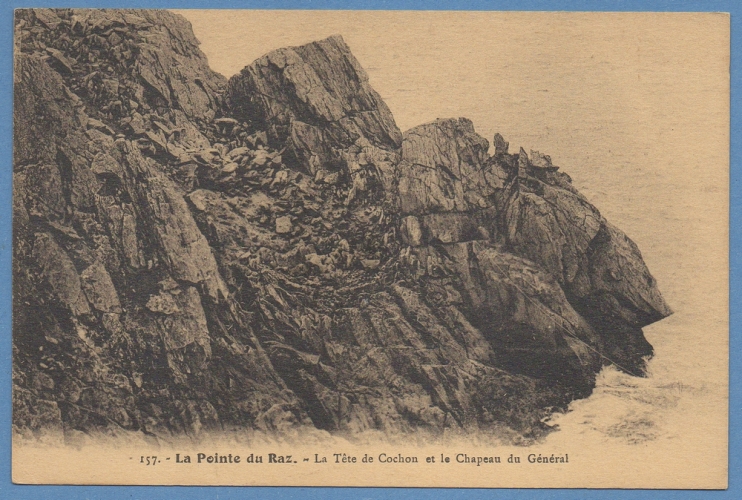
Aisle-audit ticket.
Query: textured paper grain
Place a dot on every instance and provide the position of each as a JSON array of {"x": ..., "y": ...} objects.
[{"x": 635, "y": 107}]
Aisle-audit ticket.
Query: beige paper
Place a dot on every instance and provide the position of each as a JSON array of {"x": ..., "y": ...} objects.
[{"x": 635, "y": 108}]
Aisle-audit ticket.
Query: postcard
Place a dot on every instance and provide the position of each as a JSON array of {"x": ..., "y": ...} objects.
[{"x": 371, "y": 248}]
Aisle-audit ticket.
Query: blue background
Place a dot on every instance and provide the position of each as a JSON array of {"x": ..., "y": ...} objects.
[{"x": 11, "y": 491}]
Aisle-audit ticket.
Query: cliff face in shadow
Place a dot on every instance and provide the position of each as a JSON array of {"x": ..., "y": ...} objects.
[{"x": 272, "y": 252}]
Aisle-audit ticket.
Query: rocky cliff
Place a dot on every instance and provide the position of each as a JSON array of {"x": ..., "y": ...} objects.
[{"x": 192, "y": 254}]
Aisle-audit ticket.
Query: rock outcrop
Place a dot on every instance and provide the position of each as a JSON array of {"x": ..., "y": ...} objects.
[
  {"x": 447, "y": 184},
  {"x": 271, "y": 252},
  {"x": 315, "y": 101},
  {"x": 118, "y": 300}
]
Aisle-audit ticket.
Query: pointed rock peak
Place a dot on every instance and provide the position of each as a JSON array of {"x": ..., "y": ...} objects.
[
  {"x": 522, "y": 163},
  {"x": 336, "y": 40},
  {"x": 539, "y": 160},
  {"x": 315, "y": 100},
  {"x": 500, "y": 144}
]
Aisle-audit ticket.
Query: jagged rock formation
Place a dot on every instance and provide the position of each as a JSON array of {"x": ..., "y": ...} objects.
[
  {"x": 272, "y": 251},
  {"x": 315, "y": 102},
  {"x": 121, "y": 316}
]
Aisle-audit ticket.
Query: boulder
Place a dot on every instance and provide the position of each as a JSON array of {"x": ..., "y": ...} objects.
[
  {"x": 500, "y": 144},
  {"x": 448, "y": 182},
  {"x": 411, "y": 231},
  {"x": 48, "y": 18},
  {"x": 59, "y": 60},
  {"x": 442, "y": 169},
  {"x": 283, "y": 225},
  {"x": 99, "y": 289},
  {"x": 539, "y": 160},
  {"x": 100, "y": 126}
]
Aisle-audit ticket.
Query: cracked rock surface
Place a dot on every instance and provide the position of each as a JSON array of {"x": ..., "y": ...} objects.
[{"x": 271, "y": 252}]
